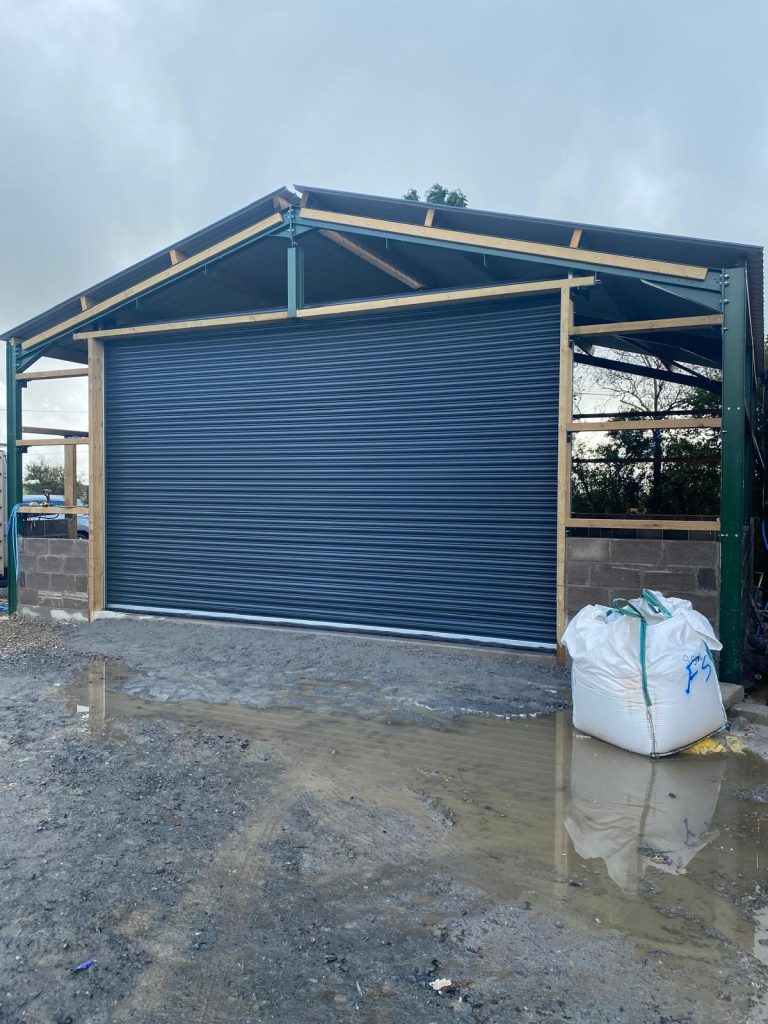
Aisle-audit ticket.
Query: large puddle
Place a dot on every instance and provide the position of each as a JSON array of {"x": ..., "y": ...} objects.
[{"x": 669, "y": 852}]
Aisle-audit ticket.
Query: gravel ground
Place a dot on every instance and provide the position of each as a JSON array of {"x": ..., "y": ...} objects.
[
  {"x": 23, "y": 637},
  {"x": 182, "y": 660},
  {"x": 324, "y": 863}
]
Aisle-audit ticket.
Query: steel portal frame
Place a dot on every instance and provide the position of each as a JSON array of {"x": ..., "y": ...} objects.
[{"x": 724, "y": 289}]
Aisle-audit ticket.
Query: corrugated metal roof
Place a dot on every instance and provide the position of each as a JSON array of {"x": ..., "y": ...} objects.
[
  {"x": 340, "y": 276},
  {"x": 681, "y": 248},
  {"x": 712, "y": 253}
]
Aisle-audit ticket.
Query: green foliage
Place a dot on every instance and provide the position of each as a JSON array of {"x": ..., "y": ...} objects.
[
  {"x": 456, "y": 198},
  {"x": 44, "y": 477},
  {"x": 438, "y": 195},
  {"x": 659, "y": 472},
  {"x": 688, "y": 481}
]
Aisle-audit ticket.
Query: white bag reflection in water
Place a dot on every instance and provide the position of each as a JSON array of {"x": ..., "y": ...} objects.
[{"x": 635, "y": 813}]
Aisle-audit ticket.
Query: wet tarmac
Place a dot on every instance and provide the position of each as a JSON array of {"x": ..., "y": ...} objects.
[{"x": 671, "y": 853}]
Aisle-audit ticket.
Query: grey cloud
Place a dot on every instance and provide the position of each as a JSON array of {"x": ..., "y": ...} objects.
[{"x": 129, "y": 123}]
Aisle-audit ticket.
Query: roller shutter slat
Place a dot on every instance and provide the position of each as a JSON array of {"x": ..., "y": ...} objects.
[{"x": 395, "y": 471}]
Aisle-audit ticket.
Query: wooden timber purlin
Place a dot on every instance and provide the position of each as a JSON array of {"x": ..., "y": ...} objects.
[
  {"x": 499, "y": 291},
  {"x": 697, "y": 525},
  {"x": 499, "y": 243},
  {"x": 31, "y": 442},
  {"x": 682, "y": 423},
  {"x": 366, "y": 254},
  {"x": 176, "y": 270},
  {"x": 432, "y": 298},
  {"x": 182, "y": 263},
  {"x": 645, "y": 326},
  {"x": 60, "y": 431},
  {"x": 53, "y": 510},
  {"x": 52, "y": 374},
  {"x": 237, "y": 320}
]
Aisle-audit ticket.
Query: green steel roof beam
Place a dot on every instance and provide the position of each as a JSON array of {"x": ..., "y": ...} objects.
[{"x": 710, "y": 297}]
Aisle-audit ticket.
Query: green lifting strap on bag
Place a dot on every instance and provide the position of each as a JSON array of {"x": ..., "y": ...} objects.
[{"x": 625, "y": 607}]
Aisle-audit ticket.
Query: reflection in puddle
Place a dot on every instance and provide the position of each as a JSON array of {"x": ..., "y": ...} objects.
[
  {"x": 634, "y": 813},
  {"x": 664, "y": 851}
]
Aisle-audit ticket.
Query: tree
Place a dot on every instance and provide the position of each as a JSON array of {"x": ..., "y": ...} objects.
[
  {"x": 43, "y": 477},
  {"x": 456, "y": 198},
  {"x": 438, "y": 195},
  {"x": 659, "y": 471}
]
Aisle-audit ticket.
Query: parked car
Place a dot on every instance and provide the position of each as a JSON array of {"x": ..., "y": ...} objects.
[{"x": 83, "y": 526}]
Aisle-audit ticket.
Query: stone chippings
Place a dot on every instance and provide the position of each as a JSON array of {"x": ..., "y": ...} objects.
[{"x": 21, "y": 636}]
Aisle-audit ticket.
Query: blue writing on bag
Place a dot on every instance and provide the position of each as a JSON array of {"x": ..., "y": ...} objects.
[
  {"x": 694, "y": 665},
  {"x": 692, "y": 670},
  {"x": 706, "y": 665}
]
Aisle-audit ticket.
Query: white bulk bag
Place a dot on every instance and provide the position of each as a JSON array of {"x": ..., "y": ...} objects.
[{"x": 643, "y": 674}]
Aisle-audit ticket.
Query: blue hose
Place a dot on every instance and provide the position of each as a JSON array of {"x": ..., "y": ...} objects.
[
  {"x": 765, "y": 542},
  {"x": 12, "y": 535}
]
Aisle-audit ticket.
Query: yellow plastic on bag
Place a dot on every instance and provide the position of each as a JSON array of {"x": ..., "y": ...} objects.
[{"x": 716, "y": 745}]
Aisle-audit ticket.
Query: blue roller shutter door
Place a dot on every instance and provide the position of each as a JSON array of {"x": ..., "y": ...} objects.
[{"x": 394, "y": 471}]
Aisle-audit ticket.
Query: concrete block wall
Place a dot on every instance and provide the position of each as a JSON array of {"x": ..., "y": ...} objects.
[
  {"x": 54, "y": 576},
  {"x": 598, "y": 569}
]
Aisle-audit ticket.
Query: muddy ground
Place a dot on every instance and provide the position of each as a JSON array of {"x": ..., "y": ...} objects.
[
  {"x": 250, "y": 825},
  {"x": 367, "y": 675}
]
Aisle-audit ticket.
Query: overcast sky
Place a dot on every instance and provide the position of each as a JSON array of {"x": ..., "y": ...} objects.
[{"x": 127, "y": 124}]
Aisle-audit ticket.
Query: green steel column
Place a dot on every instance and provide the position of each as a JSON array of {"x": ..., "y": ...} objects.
[
  {"x": 13, "y": 422},
  {"x": 750, "y": 404},
  {"x": 295, "y": 279},
  {"x": 736, "y": 461}
]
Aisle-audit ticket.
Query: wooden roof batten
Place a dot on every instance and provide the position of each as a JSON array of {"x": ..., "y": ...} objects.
[
  {"x": 343, "y": 226},
  {"x": 503, "y": 245},
  {"x": 180, "y": 265},
  {"x": 411, "y": 300}
]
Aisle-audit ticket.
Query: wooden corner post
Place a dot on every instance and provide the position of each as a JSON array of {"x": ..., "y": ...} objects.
[
  {"x": 70, "y": 486},
  {"x": 96, "y": 593},
  {"x": 565, "y": 415}
]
